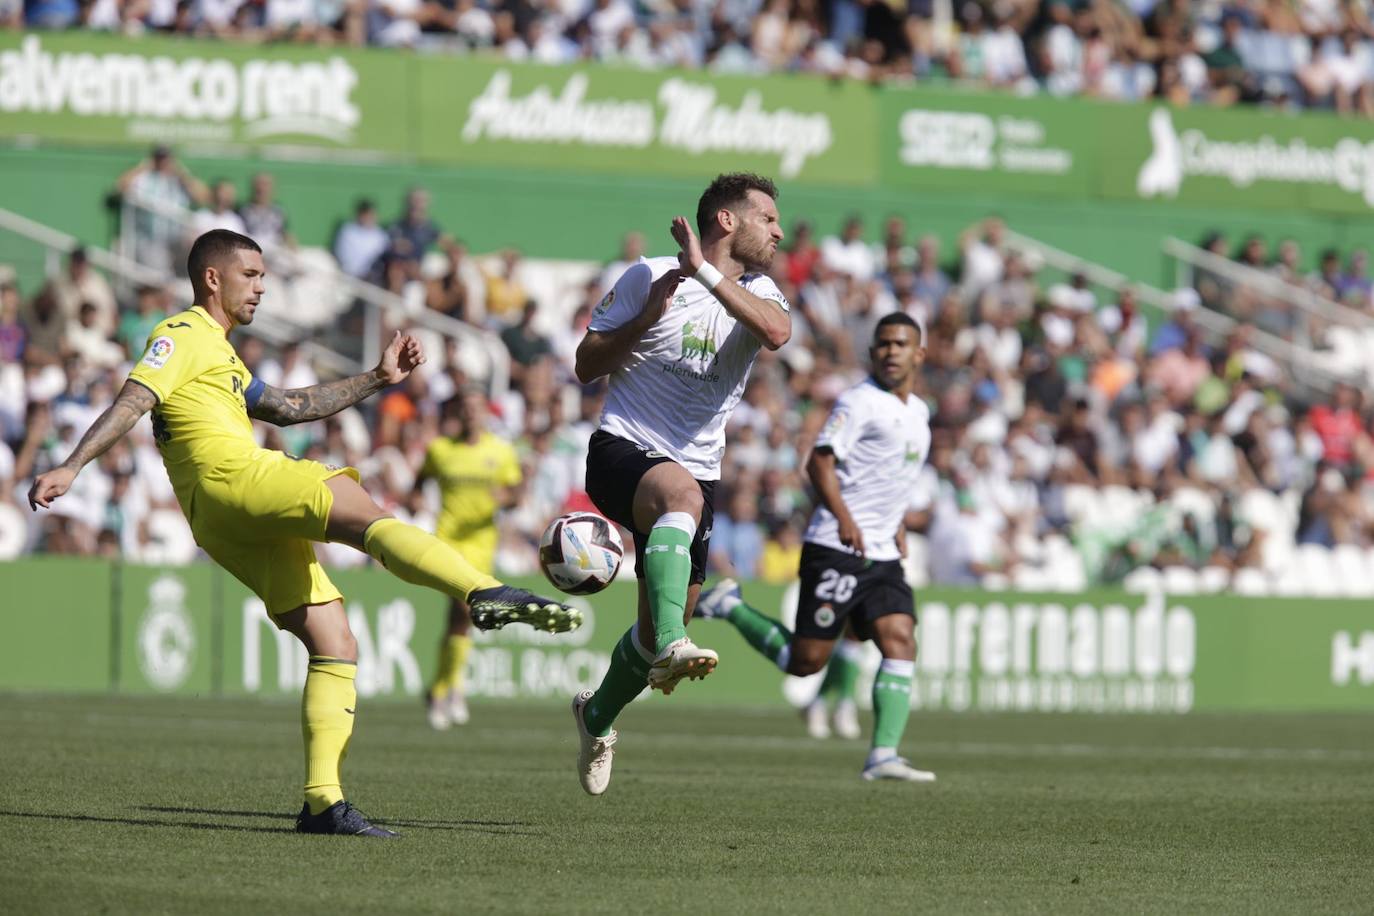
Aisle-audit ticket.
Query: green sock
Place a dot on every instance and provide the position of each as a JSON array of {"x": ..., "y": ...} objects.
[
  {"x": 842, "y": 673},
  {"x": 891, "y": 701},
  {"x": 667, "y": 573},
  {"x": 627, "y": 676},
  {"x": 763, "y": 633}
]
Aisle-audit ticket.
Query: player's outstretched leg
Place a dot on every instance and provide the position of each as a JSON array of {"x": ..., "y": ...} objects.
[
  {"x": 723, "y": 601},
  {"x": 837, "y": 689},
  {"x": 891, "y": 709},
  {"x": 667, "y": 576},
  {"x": 595, "y": 711},
  {"x": 420, "y": 558}
]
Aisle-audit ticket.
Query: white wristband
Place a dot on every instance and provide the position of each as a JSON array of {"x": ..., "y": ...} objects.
[{"x": 708, "y": 276}]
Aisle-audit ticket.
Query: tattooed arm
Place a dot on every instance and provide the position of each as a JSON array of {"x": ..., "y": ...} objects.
[
  {"x": 300, "y": 405},
  {"x": 134, "y": 401}
]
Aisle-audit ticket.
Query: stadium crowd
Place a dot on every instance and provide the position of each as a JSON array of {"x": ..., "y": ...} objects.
[
  {"x": 1038, "y": 389},
  {"x": 1308, "y": 53}
]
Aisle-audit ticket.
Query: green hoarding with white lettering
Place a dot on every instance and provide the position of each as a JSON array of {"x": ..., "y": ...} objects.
[{"x": 89, "y": 625}]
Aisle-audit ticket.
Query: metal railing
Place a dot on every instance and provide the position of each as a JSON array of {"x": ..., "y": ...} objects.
[
  {"x": 1307, "y": 368},
  {"x": 377, "y": 303},
  {"x": 1325, "y": 319}
]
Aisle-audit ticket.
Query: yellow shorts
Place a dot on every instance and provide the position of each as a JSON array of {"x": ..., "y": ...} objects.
[
  {"x": 478, "y": 548},
  {"x": 258, "y": 521}
]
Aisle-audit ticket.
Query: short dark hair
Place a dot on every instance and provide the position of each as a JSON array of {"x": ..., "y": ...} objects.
[
  {"x": 729, "y": 190},
  {"x": 903, "y": 319},
  {"x": 211, "y": 248}
]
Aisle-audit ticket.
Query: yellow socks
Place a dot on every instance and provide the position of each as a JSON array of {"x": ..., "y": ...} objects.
[
  {"x": 420, "y": 558},
  {"x": 327, "y": 722},
  {"x": 453, "y": 655}
]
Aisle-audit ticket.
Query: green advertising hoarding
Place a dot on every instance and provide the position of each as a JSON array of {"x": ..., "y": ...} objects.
[
  {"x": 96, "y": 89},
  {"x": 1237, "y": 158},
  {"x": 485, "y": 112},
  {"x": 966, "y": 141},
  {"x": 56, "y": 622},
  {"x": 87, "y": 625},
  {"x": 619, "y": 121}
]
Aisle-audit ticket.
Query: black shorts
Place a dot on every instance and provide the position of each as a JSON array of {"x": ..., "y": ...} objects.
[
  {"x": 836, "y": 585},
  {"x": 614, "y": 469}
]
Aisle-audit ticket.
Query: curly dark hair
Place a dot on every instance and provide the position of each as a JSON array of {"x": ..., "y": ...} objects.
[{"x": 728, "y": 191}]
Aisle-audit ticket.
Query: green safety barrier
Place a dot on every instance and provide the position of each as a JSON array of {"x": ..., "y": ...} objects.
[{"x": 90, "y": 625}]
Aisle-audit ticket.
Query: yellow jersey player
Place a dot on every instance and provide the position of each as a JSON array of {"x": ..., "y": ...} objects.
[
  {"x": 478, "y": 473},
  {"x": 256, "y": 512}
]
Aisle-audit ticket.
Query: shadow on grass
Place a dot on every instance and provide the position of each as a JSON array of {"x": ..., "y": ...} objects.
[
  {"x": 494, "y": 827},
  {"x": 141, "y": 822}
]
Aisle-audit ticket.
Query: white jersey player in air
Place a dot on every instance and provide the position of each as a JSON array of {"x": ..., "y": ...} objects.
[
  {"x": 677, "y": 336},
  {"x": 865, "y": 468}
]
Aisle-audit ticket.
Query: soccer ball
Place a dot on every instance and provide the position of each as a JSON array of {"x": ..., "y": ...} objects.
[{"x": 580, "y": 553}]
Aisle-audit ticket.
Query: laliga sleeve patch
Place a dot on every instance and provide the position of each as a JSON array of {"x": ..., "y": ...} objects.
[{"x": 158, "y": 352}]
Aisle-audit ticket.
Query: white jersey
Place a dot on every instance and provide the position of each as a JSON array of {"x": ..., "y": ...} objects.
[
  {"x": 880, "y": 444},
  {"x": 680, "y": 382}
]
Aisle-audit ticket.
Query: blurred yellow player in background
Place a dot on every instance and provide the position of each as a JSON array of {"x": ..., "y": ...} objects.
[{"x": 478, "y": 474}]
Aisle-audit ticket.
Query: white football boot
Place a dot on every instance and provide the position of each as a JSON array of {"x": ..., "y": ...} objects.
[
  {"x": 895, "y": 767},
  {"x": 595, "y": 756},
  {"x": 680, "y": 659},
  {"x": 817, "y": 718},
  {"x": 847, "y": 720}
]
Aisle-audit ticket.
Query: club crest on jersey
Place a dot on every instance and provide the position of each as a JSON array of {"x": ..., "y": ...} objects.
[
  {"x": 679, "y": 300},
  {"x": 697, "y": 345},
  {"x": 825, "y": 615},
  {"x": 158, "y": 352}
]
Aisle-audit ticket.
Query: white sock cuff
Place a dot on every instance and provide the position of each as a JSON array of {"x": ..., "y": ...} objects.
[
  {"x": 784, "y": 658},
  {"x": 851, "y": 651},
  {"x": 682, "y": 521},
  {"x": 898, "y": 667},
  {"x": 639, "y": 646}
]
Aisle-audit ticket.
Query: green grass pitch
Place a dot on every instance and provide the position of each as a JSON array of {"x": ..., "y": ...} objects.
[{"x": 116, "y": 805}]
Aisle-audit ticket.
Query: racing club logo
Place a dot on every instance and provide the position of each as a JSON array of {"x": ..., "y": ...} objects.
[{"x": 698, "y": 345}]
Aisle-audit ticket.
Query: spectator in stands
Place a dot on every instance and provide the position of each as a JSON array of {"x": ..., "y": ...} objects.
[
  {"x": 506, "y": 294},
  {"x": 13, "y": 335},
  {"x": 631, "y": 250},
  {"x": 801, "y": 254},
  {"x": 1182, "y": 304},
  {"x": 222, "y": 213},
  {"x": 452, "y": 292},
  {"x": 44, "y": 328},
  {"x": 524, "y": 342},
  {"x": 159, "y": 181},
  {"x": 982, "y": 246},
  {"x": 411, "y": 237},
  {"x": 80, "y": 284},
  {"x": 848, "y": 253},
  {"x": 1178, "y": 371},
  {"x": 964, "y": 544},
  {"x": 931, "y": 284},
  {"x": 150, "y": 309},
  {"x": 736, "y": 541},
  {"x": 360, "y": 242},
  {"x": 88, "y": 340},
  {"x": 1337, "y": 423},
  {"x": 263, "y": 219}
]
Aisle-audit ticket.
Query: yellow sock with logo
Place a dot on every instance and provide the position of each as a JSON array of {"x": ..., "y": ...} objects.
[
  {"x": 327, "y": 708},
  {"x": 418, "y": 557},
  {"x": 453, "y": 656}
]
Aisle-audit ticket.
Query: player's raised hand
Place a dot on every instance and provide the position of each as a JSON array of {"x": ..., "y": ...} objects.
[
  {"x": 49, "y": 486},
  {"x": 660, "y": 292},
  {"x": 690, "y": 258},
  {"x": 402, "y": 356}
]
